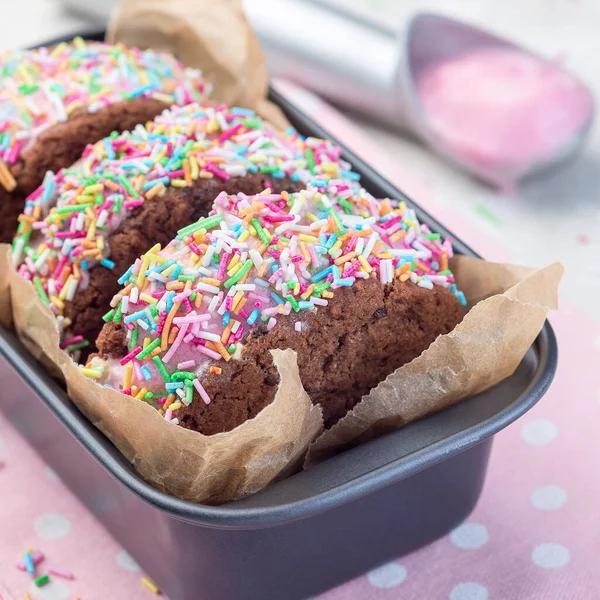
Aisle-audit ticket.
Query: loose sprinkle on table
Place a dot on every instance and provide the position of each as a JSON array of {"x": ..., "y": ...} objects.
[
  {"x": 30, "y": 560},
  {"x": 61, "y": 574},
  {"x": 41, "y": 581},
  {"x": 150, "y": 585}
]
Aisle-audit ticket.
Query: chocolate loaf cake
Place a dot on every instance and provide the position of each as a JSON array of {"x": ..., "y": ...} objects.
[
  {"x": 55, "y": 101},
  {"x": 87, "y": 225},
  {"x": 355, "y": 286}
]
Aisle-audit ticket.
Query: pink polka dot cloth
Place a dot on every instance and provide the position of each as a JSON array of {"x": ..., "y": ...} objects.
[{"x": 534, "y": 535}]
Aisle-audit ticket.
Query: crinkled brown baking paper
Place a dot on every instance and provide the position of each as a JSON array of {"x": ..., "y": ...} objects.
[
  {"x": 207, "y": 469},
  {"x": 486, "y": 347},
  {"x": 510, "y": 308},
  {"x": 211, "y": 35},
  {"x": 5, "y": 311}
]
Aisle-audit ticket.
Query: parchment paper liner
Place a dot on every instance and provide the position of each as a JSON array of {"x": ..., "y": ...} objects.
[
  {"x": 187, "y": 464},
  {"x": 211, "y": 35},
  {"x": 484, "y": 349},
  {"x": 5, "y": 310},
  {"x": 511, "y": 304}
]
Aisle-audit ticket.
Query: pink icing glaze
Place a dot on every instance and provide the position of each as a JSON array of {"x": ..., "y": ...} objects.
[{"x": 503, "y": 110}]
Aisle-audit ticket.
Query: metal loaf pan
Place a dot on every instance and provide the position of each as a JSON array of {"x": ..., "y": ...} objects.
[{"x": 300, "y": 536}]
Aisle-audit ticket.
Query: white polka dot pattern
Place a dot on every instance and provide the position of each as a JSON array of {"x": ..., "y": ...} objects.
[
  {"x": 51, "y": 474},
  {"x": 387, "y": 576},
  {"x": 550, "y": 556},
  {"x": 469, "y": 591},
  {"x": 548, "y": 497},
  {"x": 54, "y": 590},
  {"x": 539, "y": 432},
  {"x": 125, "y": 561},
  {"x": 469, "y": 536},
  {"x": 51, "y": 526}
]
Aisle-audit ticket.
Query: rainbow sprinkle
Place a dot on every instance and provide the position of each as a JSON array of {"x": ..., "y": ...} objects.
[
  {"x": 42, "y": 580},
  {"x": 42, "y": 87},
  {"x": 61, "y": 573},
  {"x": 252, "y": 259},
  {"x": 150, "y": 585},
  {"x": 66, "y": 223}
]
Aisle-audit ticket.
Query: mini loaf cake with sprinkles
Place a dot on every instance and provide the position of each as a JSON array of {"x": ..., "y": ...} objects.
[
  {"x": 55, "y": 101},
  {"x": 355, "y": 286},
  {"x": 83, "y": 227}
]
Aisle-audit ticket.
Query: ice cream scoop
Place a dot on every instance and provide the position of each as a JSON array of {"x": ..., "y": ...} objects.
[{"x": 491, "y": 107}]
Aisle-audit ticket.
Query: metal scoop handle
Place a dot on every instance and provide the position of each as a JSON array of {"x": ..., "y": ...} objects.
[{"x": 349, "y": 61}]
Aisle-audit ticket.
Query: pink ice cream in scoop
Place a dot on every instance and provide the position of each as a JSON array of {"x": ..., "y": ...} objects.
[{"x": 502, "y": 109}]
